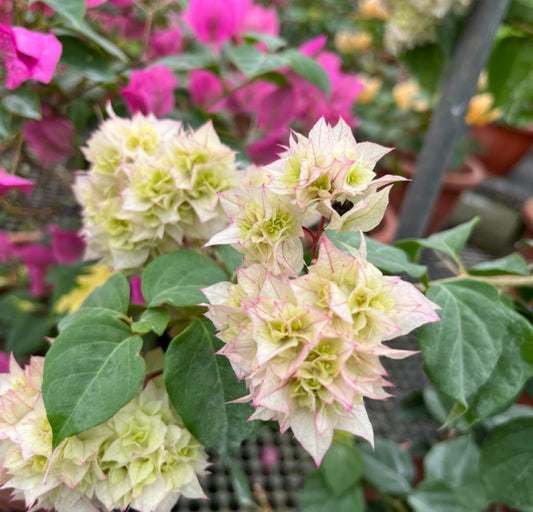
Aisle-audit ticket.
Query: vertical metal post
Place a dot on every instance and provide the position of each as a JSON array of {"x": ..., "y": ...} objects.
[{"x": 447, "y": 122}]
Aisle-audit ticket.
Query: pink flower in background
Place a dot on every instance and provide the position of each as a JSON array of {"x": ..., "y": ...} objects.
[
  {"x": 41, "y": 9},
  {"x": 277, "y": 109},
  {"x": 265, "y": 151},
  {"x": 269, "y": 458},
  {"x": 165, "y": 42},
  {"x": 204, "y": 88},
  {"x": 28, "y": 55},
  {"x": 67, "y": 246},
  {"x": 6, "y": 12},
  {"x": 216, "y": 21},
  {"x": 260, "y": 19},
  {"x": 122, "y": 3},
  {"x": 38, "y": 259},
  {"x": 151, "y": 91},
  {"x": 136, "y": 294},
  {"x": 95, "y": 3},
  {"x": 51, "y": 139},
  {"x": 4, "y": 362},
  {"x": 312, "y": 47},
  {"x": 10, "y": 181}
]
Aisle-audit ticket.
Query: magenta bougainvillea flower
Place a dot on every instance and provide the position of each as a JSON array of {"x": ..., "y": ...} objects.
[
  {"x": 38, "y": 259},
  {"x": 67, "y": 245},
  {"x": 205, "y": 88},
  {"x": 150, "y": 91},
  {"x": 216, "y": 21},
  {"x": 28, "y": 54},
  {"x": 51, "y": 139},
  {"x": 10, "y": 181}
]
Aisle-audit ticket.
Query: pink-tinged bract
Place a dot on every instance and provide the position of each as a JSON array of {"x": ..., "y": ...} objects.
[
  {"x": 150, "y": 91},
  {"x": 28, "y": 54},
  {"x": 308, "y": 348},
  {"x": 11, "y": 182}
]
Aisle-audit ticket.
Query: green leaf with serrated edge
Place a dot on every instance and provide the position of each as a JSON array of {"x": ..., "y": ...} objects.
[
  {"x": 342, "y": 467},
  {"x": 387, "y": 258},
  {"x": 177, "y": 278},
  {"x": 512, "y": 264},
  {"x": 153, "y": 319},
  {"x": 449, "y": 242},
  {"x": 273, "y": 43},
  {"x": 231, "y": 258},
  {"x": 388, "y": 467},
  {"x": 507, "y": 464},
  {"x": 71, "y": 10},
  {"x": 436, "y": 496},
  {"x": 85, "y": 60},
  {"x": 253, "y": 62},
  {"x": 511, "y": 372},
  {"x": 316, "y": 496},
  {"x": 456, "y": 463},
  {"x": 113, "y": 294},
  {"x": 90, "y": 372},
  {"x": 23, "y": 102},
  {"x": 309, "y": 69},
  {"x": 461, "y": 351},
  {"x": 200, "y": 384}
]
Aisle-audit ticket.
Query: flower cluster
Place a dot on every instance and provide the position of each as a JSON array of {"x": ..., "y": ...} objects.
[
  {"x": 142, "y": 457},
  {"x": 329, "y": 174},
  {"x": 309, "y": 347},
  {"x": 414, "y": 22},
  {"x": 152, "y": 188}
]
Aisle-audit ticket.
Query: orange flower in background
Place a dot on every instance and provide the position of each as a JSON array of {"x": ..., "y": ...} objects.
[
  {"x": 372, "y": 9},
  {"x": 480, "y": 110},
  {"x": 408, "y": 96},
  {"x": 371, "y": 87},
  {"x": 349, "y": 42}
]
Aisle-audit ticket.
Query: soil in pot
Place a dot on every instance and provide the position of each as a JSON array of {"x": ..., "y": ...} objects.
[
  {"x": 467, "y": 177},
  {"x": 502, "y": 147}
]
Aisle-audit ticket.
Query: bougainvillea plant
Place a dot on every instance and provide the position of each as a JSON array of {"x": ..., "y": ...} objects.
[{"x": 219, "y": 295}]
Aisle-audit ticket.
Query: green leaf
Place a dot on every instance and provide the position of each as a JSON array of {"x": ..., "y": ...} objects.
[
  {"x": 513, "y": 369},
  {"x": 5, "y": 123},
  {"x": 23, "y": 102},
  {"x": 456, "y": 463},
  {"x": 427, "y": 64},
  {"x": 507, "y": 464},
  {"x": 177, "y": 278},
  {"x": 342, "y": 467},
  {"x": 273, "y": 43},
  {"x": 316, "y": 496},
  {"x": 388, "y": 468},
  {"x": 73, "y": 10},
  {"x": 512, "y": 264},
  {"x": 240, "y": 483},
  {"x": 461, "y": 351},
  {"x": 390, "y": 260},
  {"x": 200, "y": 59},
  {"x": 252, "y": 62},
  {"x": 200, "y": 385},
  {"x": 27, "y": 334},
  {"x": 91, "y": 371},
  {"x": 231, "y": 258},
  {"x": 436, "y": 496},
  {"x": 83, "y": 28},
  {"x": 153, "y": 319},
  {"x": 450, "y": 241},
  {"x": 85, "y": 60},
  {"x": 510, "y": 75},
  {"x": 309, "y": 69},
  {"x": 114, "y": 294}
]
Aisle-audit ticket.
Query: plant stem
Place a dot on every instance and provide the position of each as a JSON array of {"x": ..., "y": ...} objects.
[
  {"x": 503, "y": 282},
  {"x": 18, "y": 152},
  {"x": 151, "y": 376}
]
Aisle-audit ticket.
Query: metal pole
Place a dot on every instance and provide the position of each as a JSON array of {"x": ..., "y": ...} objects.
[{"x": 447, "y": 122}]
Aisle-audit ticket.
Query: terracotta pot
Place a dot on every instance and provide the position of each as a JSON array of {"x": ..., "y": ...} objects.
[
  {"x": 502, "y": 147},
  {"x": 467, "y": 177},
  {"x": 7, "y": 504},
  {"x": 527, "y": 216},
  {"x": 384, "y": 232}
]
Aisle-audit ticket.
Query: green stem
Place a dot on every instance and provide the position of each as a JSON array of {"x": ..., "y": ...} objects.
[{"x": 503, "y": 282}]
